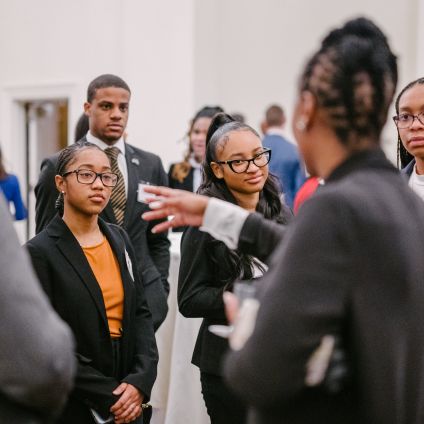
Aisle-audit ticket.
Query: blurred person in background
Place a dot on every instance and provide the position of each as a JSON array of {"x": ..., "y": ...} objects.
[
  {"x": 285, "y": 162},
  {"x": 9, "y": 185},
  {"x": 36, "y": 356}
]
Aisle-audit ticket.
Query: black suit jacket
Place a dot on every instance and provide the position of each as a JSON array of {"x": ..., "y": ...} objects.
[
  {"x": 69, "y": 282},
  {"x": 351, "y": 264},
  {"x": 185, "y": 184},
  {"x": 152, "y": 250}
]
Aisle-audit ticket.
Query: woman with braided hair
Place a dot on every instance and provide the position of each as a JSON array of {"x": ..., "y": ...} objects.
[{"x": 349, "y": 269}]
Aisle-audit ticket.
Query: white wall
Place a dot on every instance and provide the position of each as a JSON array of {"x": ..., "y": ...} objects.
[
  {"x": 67, "y": 43},
  {"x": 178, "y": 56},
  {"x": 252, "y": 52}
]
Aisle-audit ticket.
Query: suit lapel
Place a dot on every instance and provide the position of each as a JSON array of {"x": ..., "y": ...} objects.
[
  {"x": 133, "y": 166},
  {"x": 117, "y": 244},
  {"x": 72, "y": 252}
]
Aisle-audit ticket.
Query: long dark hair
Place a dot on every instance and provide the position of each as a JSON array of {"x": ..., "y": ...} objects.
[
  {"x": 353, "y": 77},
  {"x": 66, "y": 156},
  {"x": 403, "y": 156},
  {"x": 237, "y": 264}
]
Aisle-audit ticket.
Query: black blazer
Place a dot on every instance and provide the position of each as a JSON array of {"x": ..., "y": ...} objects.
[
  {"x": 201, "y": 284},
  {"x": 152, "y": 250},
  {"x": 69, "y": 282},
  {"x": 351, "y": 264},
  {"x": 185, "y": 184}
]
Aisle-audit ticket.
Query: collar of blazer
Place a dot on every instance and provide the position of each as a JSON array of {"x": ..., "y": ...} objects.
[{"x": 73, "y": 253}]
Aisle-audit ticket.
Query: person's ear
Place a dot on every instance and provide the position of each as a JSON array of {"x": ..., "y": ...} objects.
[
  {"x": 217, "y": 170},
  {"x": 307, "y": 108},
  {"x": 60, "y": 183},
  {"x": 87, "y": 108}
]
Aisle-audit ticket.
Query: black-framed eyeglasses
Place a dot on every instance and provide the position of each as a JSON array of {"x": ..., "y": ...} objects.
[
  {"x": 87, "y": 176},
  {"x": 406, "y": 120},
  {"x": 241, "y": 165}
]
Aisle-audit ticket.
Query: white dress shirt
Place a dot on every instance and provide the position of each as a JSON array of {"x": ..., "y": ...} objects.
[{"x": 120, "y": 144}]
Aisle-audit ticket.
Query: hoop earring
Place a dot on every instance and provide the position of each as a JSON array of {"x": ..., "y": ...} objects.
[{"x": 301, "y": 125}]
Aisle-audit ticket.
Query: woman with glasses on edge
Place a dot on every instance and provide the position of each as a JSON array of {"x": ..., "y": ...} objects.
[
  {"x": 87, "y": 268},
  {"x": 235, "y": 170},
  {"x": 409, "y": 121}
]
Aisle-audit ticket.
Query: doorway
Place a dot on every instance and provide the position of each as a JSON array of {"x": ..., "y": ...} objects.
[{"x": 46, "y": 132}]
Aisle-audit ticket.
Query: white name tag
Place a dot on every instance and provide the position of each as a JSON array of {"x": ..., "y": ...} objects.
[
  {"x": 142, "y": 196},
  {"x": 129, "y": 264}
]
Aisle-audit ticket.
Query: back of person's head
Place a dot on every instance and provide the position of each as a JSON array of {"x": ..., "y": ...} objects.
[
  {"x": 353, "y": 77},
  {"x": 66, "y": 157},
  {"x": 403, "y": 156},
  {"x": 105, "y": 81},
  {"x": 81, "y": 127},
  {"x": 274, "y": 116}
]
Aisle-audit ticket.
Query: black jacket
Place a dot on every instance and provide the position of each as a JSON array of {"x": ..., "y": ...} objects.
[
  {"x": 201, "y": 284},
  {"x": 69, "y": 282},
  {"x": 152, "y": 250},
  {"x": 351, "y": 264}
]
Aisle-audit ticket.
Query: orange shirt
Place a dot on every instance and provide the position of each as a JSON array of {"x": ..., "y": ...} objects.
[{"x": 106, "y": 269}]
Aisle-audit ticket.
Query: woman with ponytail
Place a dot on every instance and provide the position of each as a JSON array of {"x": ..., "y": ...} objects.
[{"x": 235, "y": 169}]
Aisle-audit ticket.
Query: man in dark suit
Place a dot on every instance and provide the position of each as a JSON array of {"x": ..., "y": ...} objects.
[{"x": 107, "y": 108}]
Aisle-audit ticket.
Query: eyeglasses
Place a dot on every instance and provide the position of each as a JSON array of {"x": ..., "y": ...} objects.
[
  {"x": 241, "y": 165},
  {"x": 406, "y": 120},
  {"x": 86, "y": 176}
]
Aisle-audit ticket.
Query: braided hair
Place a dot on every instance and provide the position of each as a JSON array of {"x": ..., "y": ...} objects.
[
  {"x": 403, "y": 156},
  {"x": 237, "y": 265},
  {"x": 66, "y": 156},
  {"x": 353, "y": 77}
]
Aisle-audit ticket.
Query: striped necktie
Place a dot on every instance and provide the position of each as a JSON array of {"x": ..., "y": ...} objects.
[{"x": 118, "y": 196}]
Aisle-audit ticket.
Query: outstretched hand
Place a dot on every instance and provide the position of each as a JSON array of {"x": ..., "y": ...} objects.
[{"x": 186, "y": 208}]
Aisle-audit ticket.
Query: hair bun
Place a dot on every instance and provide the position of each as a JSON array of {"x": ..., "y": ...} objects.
[{"x": 218, "y": 121}]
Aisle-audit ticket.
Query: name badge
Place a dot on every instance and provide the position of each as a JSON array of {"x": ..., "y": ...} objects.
[{"x": 129, "y": 264}]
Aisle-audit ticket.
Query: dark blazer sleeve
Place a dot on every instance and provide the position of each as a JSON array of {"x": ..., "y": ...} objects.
[
  {"x": 45, "y": 194},
  {"x": 37, "y": 347},
  {"x": 305, "y": 299},
  {"x": 90, "y": 385},
  {"x": 199, "y": 292},
  {"x": 159, "y": 243},
  {"x": 143, "y": 373},
  {"x": 259, "y": 236}
]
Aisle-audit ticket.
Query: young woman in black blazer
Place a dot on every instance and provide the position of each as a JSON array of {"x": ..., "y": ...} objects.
[
  {"x": 235, "y": 169},
  {"x": 107, "y": 311}
]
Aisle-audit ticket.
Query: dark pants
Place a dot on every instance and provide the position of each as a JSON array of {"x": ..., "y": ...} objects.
[{"x": 223, "y": 406}]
